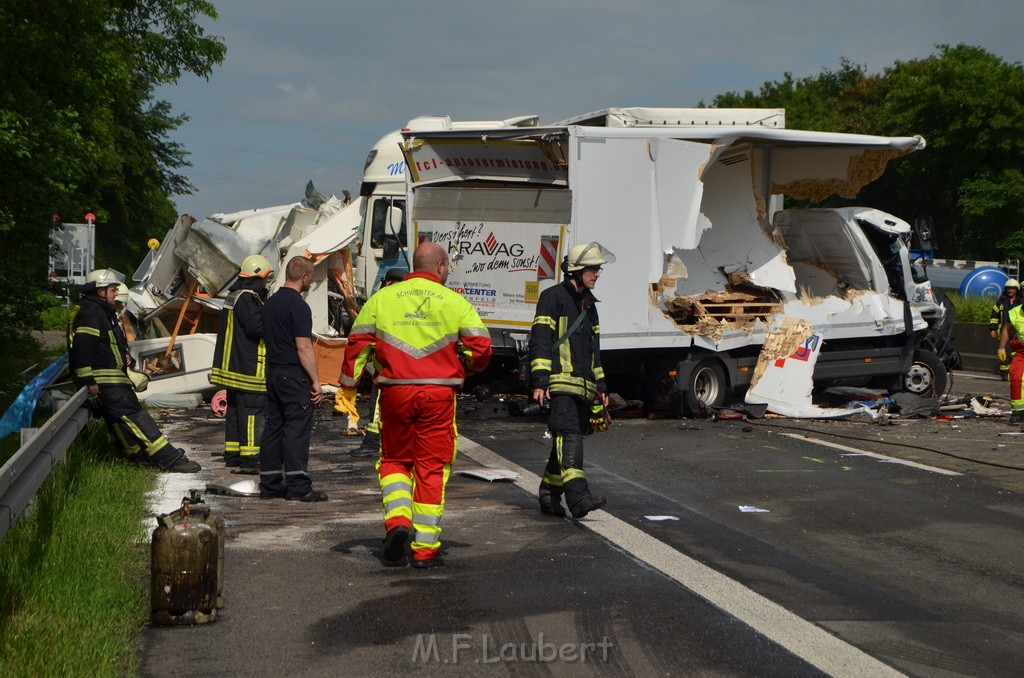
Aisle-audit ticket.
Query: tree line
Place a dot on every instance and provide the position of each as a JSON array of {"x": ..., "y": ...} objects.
[
  {"x": 966, "y": 102},
  {"x": 82, "y": 131}
]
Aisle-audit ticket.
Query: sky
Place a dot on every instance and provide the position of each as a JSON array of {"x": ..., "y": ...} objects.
[{"x": 308, "y": 86}]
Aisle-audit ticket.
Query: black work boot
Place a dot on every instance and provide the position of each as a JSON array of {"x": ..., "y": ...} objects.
[
  {"x": 551, "y": 505},
  {"x": 394, "y": 543},
  {"x": 586, "y": 505},
  {"x": 183, "y": 465},
  {"x": 1017, "y": 417},
  {"x": 370, "y": 447}
]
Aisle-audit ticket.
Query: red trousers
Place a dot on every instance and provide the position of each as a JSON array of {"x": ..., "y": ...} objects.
[
  {"x": 417, "y": 450},
  {"x": 1016, "y": 377}
]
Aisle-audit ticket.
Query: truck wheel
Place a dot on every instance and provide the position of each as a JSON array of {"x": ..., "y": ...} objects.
[
  {"x": 705, "y": 388},
  {"x": 927, "y": 376}
]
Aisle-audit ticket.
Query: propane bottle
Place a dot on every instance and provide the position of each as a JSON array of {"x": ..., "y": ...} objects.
[
  {"x": 195, "y": 501},
  {"x": 184, "y": 567}
]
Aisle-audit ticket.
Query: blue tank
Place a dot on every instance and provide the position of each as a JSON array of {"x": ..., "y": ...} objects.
[{"x": 984, "y": 281}]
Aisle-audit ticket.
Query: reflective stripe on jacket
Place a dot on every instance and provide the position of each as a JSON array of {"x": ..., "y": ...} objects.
[
  {"x": 422, "y": 333},
  {"x": 240, "y": 358},
  {"x": 574, "y": 367},
  {"x": 1016, "y": 319},
  {"x": 1000, "y": 308},
  {"x": 95, "y": 355}
]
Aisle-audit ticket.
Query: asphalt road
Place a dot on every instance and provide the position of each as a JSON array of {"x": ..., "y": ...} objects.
[{"x": 852, "y": 565}]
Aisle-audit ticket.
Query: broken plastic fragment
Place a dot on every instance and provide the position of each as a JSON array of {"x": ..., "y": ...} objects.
[
  {"x": 490, "y": 474},
  {"x": 753, "y": 509}
]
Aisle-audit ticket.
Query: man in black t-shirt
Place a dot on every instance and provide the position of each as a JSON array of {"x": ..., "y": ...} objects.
[{"x": 293, "y": 388}]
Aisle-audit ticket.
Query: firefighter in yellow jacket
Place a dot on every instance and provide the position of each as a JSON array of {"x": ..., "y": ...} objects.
[
  {"x": 425, "y": 339},
  {"x": 239, "y": 364}
]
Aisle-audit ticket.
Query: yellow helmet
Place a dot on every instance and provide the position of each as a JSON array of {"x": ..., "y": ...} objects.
[
  {"x": 104, "y": 277},
  {"x": 256, "y": 266},
  {"x": 1012, "y": 282},
  {"x": 586, "y": 254},
  {"x": 122, "y": 294}
]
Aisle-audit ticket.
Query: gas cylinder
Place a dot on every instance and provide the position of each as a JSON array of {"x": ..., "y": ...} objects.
[
  {"x": 195, "y": 501},
  {"x": 184, "y": 567}
]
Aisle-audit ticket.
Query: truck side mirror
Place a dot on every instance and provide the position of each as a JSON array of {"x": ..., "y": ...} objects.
[
  {"x": 925, "y": 229},
  {"x": 396, "y": 225}
]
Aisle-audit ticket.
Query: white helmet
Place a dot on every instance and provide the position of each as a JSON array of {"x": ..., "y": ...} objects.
[
  {"x": 586, "y": 254},
  {"x": 122, "y": 294},
  {"x": 256, "y": 266},
  {"x": 103, "y": 277}
]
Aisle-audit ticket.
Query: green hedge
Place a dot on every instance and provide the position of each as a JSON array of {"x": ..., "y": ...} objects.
[{"x": 971, "y": 309}]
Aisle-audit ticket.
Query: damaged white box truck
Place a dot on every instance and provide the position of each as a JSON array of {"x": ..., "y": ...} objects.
[{"x": 715, "y": 286}]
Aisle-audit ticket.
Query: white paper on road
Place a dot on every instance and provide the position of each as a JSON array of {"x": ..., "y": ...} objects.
[
  {"x": 657, "y": 518},
  {"x": 753, "y": 509},
  {"x": 490, "y": 474}
]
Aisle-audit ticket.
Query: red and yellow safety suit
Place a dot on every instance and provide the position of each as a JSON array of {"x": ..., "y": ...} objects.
[
  {"x": 425, "y": 338},
  {"x": 1015, "y": 334}
]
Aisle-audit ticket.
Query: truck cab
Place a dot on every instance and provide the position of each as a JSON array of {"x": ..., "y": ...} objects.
[{"x": 383, "y": 238}]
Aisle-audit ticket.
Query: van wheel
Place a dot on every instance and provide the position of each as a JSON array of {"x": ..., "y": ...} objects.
[
  {"x": 705, "y": 389},
  {"x": 927, "y": 376}
]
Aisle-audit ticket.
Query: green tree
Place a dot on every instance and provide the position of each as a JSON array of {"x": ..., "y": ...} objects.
[
  {"x": 966, "y": 102},
  {"x": 81, "y": 131},
  {"x": 810, "y": 102}
]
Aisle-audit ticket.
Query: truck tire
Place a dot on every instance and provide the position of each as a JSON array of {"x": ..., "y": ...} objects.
[
  {"x": 705, "y": 388},
  {"x": 927, "y": 376}
]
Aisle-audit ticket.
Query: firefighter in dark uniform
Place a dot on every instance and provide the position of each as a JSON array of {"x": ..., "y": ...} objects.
[
  {"x": 1010, "y": 298},
  {"x": 565, "y": 369},
  {"x": 98, "y": 359},
  {"x": 239, "y": 364},
  {"x": 293, "y": 388}
]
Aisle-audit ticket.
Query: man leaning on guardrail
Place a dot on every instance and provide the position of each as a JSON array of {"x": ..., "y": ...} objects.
[{"x": 98, "y": 359}]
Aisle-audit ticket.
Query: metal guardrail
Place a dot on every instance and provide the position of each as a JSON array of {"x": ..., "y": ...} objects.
[{"x": 24, "y": 473}]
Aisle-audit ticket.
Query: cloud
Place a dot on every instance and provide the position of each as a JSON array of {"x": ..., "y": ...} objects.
[{"x": 325, "y": 80}]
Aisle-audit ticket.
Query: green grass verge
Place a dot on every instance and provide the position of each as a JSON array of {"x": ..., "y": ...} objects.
[
  {"x": 73, "y": 584},
  {"x": 970, "y": 309}
]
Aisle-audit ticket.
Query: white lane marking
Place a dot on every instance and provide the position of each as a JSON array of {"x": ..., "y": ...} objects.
[
  {"x": 882, "y": 457},
  {"x": 804, "y": 639}
]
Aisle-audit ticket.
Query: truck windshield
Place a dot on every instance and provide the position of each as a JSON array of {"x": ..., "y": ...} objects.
[{"x": 380, "y": 230}]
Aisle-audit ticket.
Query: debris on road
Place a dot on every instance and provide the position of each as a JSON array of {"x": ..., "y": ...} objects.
[
  {"x": 490, "y": 474},
  {"x": 233, "y": 487}
]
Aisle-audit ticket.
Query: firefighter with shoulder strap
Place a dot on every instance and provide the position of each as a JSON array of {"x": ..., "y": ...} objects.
[
  {"x": 99, "y": 361},
  {"x": 1010, "y": 298},
  {"x": 240, "y": 364},
  {"x": 1013, "y": 330},
  {"x": 565, "y": 369}
]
